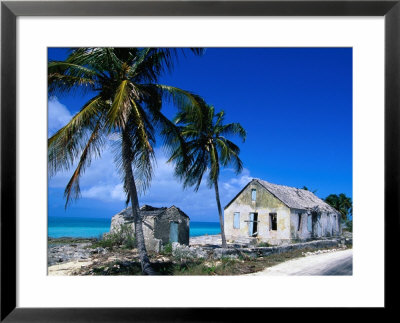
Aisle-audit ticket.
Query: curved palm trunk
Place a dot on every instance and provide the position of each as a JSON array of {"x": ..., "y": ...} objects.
[
  {"x": 221, "y": 216},
  {"x": 129, "y": 178}
]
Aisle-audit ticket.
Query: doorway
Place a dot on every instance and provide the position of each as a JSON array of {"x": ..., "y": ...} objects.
[
  {"x": 173, "y": 232},
  {"x": 253, "y": 224},
  {"x": 316, "y": 224}
]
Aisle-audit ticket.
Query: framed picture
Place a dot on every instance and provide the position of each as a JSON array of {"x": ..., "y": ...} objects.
[{"x": 368, "y": 31}]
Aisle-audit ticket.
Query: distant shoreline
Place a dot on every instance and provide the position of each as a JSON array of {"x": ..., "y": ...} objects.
[
  {"x": 82, "y": 228},
  {"x": 109, "y": 219}
]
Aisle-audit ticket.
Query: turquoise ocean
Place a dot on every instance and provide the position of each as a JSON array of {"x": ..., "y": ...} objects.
[{"x": 76, "y": 227}]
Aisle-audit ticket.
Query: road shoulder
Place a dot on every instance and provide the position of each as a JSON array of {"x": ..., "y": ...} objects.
[{"x": 333, "y": 263}]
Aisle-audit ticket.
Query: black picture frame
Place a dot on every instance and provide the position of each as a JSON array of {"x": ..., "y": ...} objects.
[{"x": 10, "y": 10}]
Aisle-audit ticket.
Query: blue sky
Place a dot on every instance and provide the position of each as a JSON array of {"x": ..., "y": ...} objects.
[{"x": 295, "y": 104}]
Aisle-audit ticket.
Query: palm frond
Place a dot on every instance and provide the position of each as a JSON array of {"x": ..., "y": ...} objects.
[
  {"x": 147, "y": 66},
  {"x": 214, "y": 166},
  {"x": 193, "y": 175},
  {"x": 229, "y": 154},
  {"x": 64, "y": 76},
  {"x": 101, "y": 59},
  {"x": 92, "y": 149},
  {"x": 207, "y": 148},
  {"x": 232, "y": 129},
  {"x": 120, "y": 107},
  {"x": 184, "y": 100},
  {"x": 66, "y": 144},
  {"x": 166, "y": 58},
  {"x": 135, "y": 149},
  {"x": 144, "y": 129}
]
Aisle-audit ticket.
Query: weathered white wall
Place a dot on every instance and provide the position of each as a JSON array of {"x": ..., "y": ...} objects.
[
  {"x": 324, "y": 225},
  {"x": 330, "y": 224},
  {"x": 303, "y": 233},
  {"x": 265, "y": 203}
]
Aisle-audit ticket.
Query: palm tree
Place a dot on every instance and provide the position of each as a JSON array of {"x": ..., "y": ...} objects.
[
  {"x": 208, "y": 149},
  {"x": 342, "y": 203},
  {"x": 126, "y": 104}
]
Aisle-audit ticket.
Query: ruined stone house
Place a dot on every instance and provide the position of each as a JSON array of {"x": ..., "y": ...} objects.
[
  {"x": 276, "y": 214},
  {"x": 160, "y": 225}
]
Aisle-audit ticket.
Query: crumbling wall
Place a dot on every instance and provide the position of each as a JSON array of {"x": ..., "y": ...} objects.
[
  {"x": 264, "y": 204},
  {"x": 125, "y": 218},
  {"x": 163, "y": 224},
  {"x": 156, "y": 227},
  {"x": 302, "y": 231},
  {"x": 314, "y": 223},
  {"x": 323, "y": 224}
]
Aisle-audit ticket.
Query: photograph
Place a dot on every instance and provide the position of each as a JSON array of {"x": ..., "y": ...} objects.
[{"x": 217, "y": 161}]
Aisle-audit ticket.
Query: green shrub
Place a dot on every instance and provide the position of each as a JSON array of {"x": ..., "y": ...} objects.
[
  {"x": 167, "y": 249},
  {"x": 123, "y": 237},
  {"x": 130, "y": 242}
]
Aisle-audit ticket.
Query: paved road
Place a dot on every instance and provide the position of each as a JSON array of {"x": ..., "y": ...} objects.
[{"x": 327, "y": 264}]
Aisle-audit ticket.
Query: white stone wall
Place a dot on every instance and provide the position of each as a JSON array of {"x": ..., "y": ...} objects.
[{"x": 265, "y": 204}]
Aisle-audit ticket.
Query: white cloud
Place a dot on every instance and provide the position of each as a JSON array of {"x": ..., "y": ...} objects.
[
  {"x": 243, "y": 178},
  {"x": 232, "y": 186},
  {"x": 58, "y": 115},
  {"x": 101, "y": 172},
  {"x": 105, "y": 192}
]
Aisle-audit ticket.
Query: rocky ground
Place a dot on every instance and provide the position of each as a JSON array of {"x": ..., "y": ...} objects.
[
  {"x": 65, "y": 252},
  {"x": 79, "y": 257},
  {"x": 68, "y": 256},
  {"x": 210, "y": 240}
]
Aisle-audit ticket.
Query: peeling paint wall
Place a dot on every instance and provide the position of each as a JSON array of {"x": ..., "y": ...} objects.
[
  {"x": 289, "y": 224},
  {"x": 299, "y": 232},
  {"x": 264, "y": 204},
  {"x": 322, "y": 225}
]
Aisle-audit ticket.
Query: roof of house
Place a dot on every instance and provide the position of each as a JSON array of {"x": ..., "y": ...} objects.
[
  {"x": 151, "y": 211},
  {"x": 293, "y": 197}
]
